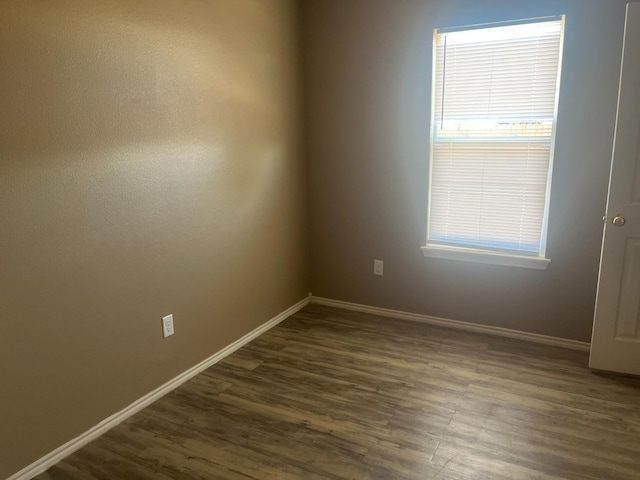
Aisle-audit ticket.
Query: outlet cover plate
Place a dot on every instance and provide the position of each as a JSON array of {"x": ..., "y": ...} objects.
[
  {"x": 167, "y": 326},
  {"x": 378, "y": 267}
]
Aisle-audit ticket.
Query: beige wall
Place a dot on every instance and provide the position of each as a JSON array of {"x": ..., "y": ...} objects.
[
  {"x": 367, "y": 75},
  {"x": 150, "y": 163}
]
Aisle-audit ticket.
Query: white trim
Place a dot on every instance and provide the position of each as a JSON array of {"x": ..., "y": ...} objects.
[
  {"x": 547, "y": 200},
  {"x": 484, "y": 256},
  {"x": 39, "y": 466},
  {"x": 457, "y": 324},
  {"x": 505, "y": 23}
]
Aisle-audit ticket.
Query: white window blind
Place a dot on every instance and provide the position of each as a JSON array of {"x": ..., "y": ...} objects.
[{"x": 494, "y": 107}]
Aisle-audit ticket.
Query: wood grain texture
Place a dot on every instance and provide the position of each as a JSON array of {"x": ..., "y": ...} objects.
[{"x": 338, "y": 394}]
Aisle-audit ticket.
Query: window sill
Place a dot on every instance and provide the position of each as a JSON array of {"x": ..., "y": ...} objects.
[{"x": 484, "y": 256}]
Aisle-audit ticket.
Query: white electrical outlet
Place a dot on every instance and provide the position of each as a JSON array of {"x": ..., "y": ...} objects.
[
  {"x": 167, "y": 326},
  {"x": 378, "y": 267}
]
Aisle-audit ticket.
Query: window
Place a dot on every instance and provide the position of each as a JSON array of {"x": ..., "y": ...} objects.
[{"x": 494, "y": 103}]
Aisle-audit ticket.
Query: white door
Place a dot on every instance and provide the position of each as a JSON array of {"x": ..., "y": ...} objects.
[{"x": 615, "y": 344}]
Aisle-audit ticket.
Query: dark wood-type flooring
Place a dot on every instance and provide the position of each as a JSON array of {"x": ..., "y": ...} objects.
[{"x": 335, "y": 394}]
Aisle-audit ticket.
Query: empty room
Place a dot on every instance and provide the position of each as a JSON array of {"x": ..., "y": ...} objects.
[{"x": 319, "y": 239}]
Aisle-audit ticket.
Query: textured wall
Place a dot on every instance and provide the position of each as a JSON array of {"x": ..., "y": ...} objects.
[
  {"x": 368, "y": 80},
  {"x": 150, "y": 163}
]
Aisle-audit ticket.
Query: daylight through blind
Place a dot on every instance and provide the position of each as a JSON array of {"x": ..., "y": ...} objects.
[{"x": 493, "y": 118}]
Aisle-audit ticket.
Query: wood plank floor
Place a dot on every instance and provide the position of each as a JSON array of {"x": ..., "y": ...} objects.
[{"x": 335, "y": 394}]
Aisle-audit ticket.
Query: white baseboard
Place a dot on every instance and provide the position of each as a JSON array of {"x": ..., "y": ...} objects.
[
  {"x": 457, "y": 324},
  {"x": 39, "y": 466}
]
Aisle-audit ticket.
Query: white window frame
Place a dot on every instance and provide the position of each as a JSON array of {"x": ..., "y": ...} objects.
[{"x": 479, "y": 254}]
